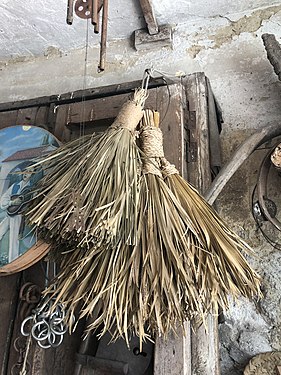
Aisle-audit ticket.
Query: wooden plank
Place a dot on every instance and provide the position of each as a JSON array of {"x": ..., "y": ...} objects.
[
  {"x": 149, "y": 16},
  {"x": 196, "y": 93},
  {"x": 205, "y": 349},
  {"x": 173, "y": 356},
  {"x": 26, "y": 116},
  {"x": 41, "y": 117},
  {"x": 79, "y": 95},
  {"x": 204, "y": 346},
  {"x": 8, "y": 306},
  {"x": 36, "y": 116},
  {"x": 8, "y": 118}
]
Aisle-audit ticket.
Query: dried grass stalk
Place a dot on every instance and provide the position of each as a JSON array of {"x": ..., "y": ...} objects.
[
  {"x": 221, "y": 268},
  {"x": 90, "y": 191},
  {"x": 184, "y": 263},
  {"x": 145, "y": 289}
]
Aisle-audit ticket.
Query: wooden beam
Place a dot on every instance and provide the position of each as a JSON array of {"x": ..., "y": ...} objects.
[
  {"x": 196, "y": 352},
  {"x": 77, "y": 96},
  {"x": 238, "y": 158},
  {"x": 149, "y": 16},
  {"x": 204, "y": 341}
]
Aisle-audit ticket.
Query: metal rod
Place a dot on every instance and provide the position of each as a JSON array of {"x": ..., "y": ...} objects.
[
  {"x": 103, "y": 36},
  {"x": 94, "y": 15},
  {"x": 69, "y": 18},
  {"x": 97, "y": 26}
]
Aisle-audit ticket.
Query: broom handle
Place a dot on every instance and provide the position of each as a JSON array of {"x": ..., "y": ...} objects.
[
  {"x": 151, "y": 118},
  {"x": 156, "y": 118}
]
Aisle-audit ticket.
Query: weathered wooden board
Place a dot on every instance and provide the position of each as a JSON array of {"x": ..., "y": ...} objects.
[
  {"x": 8, "y": 305},
  {"x": 37, "y": 116},
  {"x": 204, "y": 345},
  {"x": 80, "y": 95},
  {"x": 197, "y": 352}
]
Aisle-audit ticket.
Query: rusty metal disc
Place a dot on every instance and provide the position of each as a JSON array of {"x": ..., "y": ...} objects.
[{"x": 83, "y": 8}]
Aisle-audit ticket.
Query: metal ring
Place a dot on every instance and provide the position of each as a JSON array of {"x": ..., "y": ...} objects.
[
  {"x": 23, "y": 332},
  {"x": 53, "y": 340},
  {"x": 42, "y": 334},
  {"x": 58, "y": 329}
]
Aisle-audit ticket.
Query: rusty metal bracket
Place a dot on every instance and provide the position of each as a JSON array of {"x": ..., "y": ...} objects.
[
  {"x": 83, "y": 8},
  {"x": 262, "y": 189}
]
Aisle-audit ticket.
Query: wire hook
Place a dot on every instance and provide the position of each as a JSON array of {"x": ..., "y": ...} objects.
[{"x": 145, "y": 80}]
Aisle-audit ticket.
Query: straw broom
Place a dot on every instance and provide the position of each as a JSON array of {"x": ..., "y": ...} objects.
[
  {"x": 221, "y": 269},
  {"x": 177, "y": 270},
  {"x": 90, "y": 190},
  {"x": 145, "y": 289},
  {"x": 163, "y": 268}
]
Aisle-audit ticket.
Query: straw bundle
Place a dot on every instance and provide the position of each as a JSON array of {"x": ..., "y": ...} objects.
[
  {"x": 90, "y": 190},
  {"x": 221, "y": 269},
  {"x": 145, "y": 289},
  {"x": 183, "y": 263},
  {"x": 97, "y": 283},
  {"x": 163, "y": 268}
]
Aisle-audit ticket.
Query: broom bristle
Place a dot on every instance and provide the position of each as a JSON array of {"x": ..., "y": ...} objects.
[
  {"x": 182, "y": 264},
  {"x": 221, "y": 268},
  {"x": 90, "y": 190}
]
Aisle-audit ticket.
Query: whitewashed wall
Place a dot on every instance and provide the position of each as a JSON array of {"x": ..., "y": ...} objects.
[{"x": 231, "y": 53}]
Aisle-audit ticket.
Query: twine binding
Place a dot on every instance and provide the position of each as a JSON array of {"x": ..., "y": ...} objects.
[{"x": 264, "y": 364}]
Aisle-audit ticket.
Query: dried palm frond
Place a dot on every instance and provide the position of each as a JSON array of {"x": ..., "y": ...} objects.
[
  {"x": 184, "y": 262},
  {"x": 90, "y": 190},
  {"x": 98, "y": 283},
  {"x": 163, "y": 267},
  {"x": 145, "y": 289},
  {"x": 221, "y": 268}
]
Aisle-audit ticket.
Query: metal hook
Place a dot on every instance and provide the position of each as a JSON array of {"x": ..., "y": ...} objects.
[{"x": 145, "y": 80}]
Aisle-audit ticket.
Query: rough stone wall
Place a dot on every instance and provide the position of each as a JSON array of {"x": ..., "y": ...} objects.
[
  {"x": 250, "y": 328},
  {"x": 230, "y": 52}
]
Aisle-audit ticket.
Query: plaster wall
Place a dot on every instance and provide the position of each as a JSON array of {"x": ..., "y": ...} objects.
[{"x": 230, "y": 51}]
